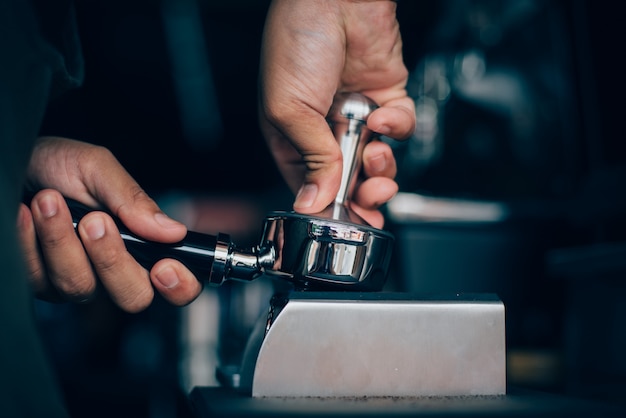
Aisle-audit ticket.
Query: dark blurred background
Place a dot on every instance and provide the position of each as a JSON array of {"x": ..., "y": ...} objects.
[{"x": 520, "y": 105}]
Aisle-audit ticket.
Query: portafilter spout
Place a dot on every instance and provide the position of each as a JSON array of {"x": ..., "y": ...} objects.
[{"x": 332, "y": 250}]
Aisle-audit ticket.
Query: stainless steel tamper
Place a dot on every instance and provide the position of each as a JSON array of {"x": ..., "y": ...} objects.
[{"x": 332, "y": 250}]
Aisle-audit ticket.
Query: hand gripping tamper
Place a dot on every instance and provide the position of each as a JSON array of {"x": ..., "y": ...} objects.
[{"x": 334, "y": 249}]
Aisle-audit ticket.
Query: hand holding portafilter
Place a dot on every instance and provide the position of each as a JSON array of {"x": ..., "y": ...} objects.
[{"x": 332, "y": 250}]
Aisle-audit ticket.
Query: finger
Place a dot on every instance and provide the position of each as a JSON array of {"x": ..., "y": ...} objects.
[
  {"x": 372, "y": 216},
  {"x": 396, "y": 119},
  {"x": 378, "y": 160},
  {"x": 27, "y": 237},
  {"x": 370, "y": 195},
  {"x": 119, "y": 192},
  {"x": 124, "y": 279},
  {"x": 174, "y": 282},
  {"x": 67, "y": 265},
  {"x": 374, "y": 192}
]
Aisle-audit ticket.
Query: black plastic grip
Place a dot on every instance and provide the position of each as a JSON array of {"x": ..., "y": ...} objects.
[{"x": 196, "y": 251}]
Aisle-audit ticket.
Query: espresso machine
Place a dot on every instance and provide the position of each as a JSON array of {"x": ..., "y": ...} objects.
[{"x": 331, "y": 341}]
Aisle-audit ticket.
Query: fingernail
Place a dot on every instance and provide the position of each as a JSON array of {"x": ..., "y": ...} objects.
[
  {"x": 48, "y": 206},
  {"x": 378, "y": 163},
  {"x": 306, "y": 196},
  {"x": 94, "y": 227},
  {"x": 165, "y": 221},
  {"x": 167, "y": 277}
]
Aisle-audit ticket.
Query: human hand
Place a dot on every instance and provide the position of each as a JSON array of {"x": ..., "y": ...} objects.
[
  {"x": 311, "y": 50},
  {"x": 66, "y": 265}
]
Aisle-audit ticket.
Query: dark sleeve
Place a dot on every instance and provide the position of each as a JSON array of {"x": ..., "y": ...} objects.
[{"x": 32, "y": 68}]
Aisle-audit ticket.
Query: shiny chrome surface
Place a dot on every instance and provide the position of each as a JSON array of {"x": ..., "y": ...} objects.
[
  {"x": 316, "y": 253},
  {"x": 344, "y": 344},
  {"x": 348, "y": 119},
  {"x": 221, "y": 263}
]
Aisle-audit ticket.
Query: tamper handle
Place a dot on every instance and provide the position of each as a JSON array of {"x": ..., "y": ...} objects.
[{"x": 348, "y": 119}]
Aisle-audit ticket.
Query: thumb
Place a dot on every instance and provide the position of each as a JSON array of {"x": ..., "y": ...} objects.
[
  {"x": 323, "y": 164},
  {"x": 143, "y": 216},
  {"x": 92, "y": 175},
  {"x": 124, "y": 198}
]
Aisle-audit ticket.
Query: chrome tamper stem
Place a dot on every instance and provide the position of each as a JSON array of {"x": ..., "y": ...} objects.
[{"x": 348, "y": 117}]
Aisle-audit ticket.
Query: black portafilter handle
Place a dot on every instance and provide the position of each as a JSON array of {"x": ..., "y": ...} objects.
[{"x": 208, "y": 257}]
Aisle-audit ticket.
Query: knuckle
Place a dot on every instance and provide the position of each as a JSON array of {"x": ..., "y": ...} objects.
[
  {"x": 76, "y": 285},
  {"x": 36, "y": 272},
  {"x": 90, "y": 160},
  {"x": 51, "y": 240},
  {"x": 93, "y": 152},
  {"x": 37, "y": 279},
  {"x": 281, "y": 112},
  {"x": 138, "y": 198},
  {"x": 106, "y": 260},
  {"x": 331, "y": 157},
  {"x": 137, "y": 301}
]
